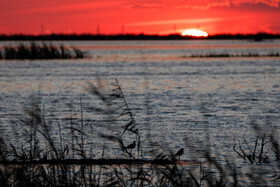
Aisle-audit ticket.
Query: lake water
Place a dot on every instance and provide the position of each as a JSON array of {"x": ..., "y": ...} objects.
[{"x": 177, "y": 100}]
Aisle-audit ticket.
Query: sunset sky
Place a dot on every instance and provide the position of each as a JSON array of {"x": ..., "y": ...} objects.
[{"x": 141, "y": 16}]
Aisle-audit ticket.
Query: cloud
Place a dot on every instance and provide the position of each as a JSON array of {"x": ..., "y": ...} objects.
[
  {"x": 227, "y": 3},
  {"x": 205, "y": 4},
  {"x": 163, "y": 22},
  {"x": 186, "y": 21},
  {"x": 33, "y": 6},
  {"x": 258, "y": 7},
  {"x": 63, "y": 7},
  {"x": 147, "y": 5}
]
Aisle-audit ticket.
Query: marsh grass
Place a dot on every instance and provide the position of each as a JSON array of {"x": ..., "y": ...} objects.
[
  {"x": 227, "y": 55},
  {"x": 40, "y": 51},
  {"x": 44, "y": 157}
]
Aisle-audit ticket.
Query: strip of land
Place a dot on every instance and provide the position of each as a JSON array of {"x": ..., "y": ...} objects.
[{"x": 255, "y": 37}]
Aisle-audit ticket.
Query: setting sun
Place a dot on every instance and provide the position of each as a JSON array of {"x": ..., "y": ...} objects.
[{"x": 194, "y": 32}]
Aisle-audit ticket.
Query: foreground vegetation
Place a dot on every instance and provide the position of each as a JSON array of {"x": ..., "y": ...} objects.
[
  {"x": 37, "y": 51},
  {"x": 59, "y": 152}
]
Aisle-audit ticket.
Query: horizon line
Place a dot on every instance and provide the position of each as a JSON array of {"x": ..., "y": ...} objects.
[{"x": 128, "y": 36}]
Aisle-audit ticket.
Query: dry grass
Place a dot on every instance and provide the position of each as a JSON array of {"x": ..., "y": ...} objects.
[{"x": 37, "y": 51}]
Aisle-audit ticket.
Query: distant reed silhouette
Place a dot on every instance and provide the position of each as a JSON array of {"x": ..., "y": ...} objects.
[
  {"x": 40, "y": 51},
  {"x": 227, "y": 55}
]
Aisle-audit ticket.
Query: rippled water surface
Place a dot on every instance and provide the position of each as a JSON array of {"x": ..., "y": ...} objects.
[{"x": 177, "y": 100}]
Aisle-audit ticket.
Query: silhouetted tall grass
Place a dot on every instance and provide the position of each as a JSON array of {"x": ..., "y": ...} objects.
[
  {"x": 40, "y": 51},
  {"x": 54, "y": 152},
  {"x": 227, "y": 55}
]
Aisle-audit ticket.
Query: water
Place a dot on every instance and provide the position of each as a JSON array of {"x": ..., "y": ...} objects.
[{"x": 176, "y": 100}]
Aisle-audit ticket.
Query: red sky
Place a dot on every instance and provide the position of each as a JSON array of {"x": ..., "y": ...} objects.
[{"x": 140, "y": 16}]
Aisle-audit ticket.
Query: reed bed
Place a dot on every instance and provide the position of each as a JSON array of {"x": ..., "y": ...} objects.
[
  {"x": 46, "y": 158},
  {"x": 40, "y": 51},
  {"x": 229, "y": 55}
]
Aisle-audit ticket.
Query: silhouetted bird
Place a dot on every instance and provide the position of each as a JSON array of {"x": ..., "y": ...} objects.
[
  {"x": 131, "y": 146},
  {"x": 179, "y": 153}
]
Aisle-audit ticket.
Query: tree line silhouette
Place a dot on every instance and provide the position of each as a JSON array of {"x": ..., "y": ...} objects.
[{"x": 177, "y": 36}]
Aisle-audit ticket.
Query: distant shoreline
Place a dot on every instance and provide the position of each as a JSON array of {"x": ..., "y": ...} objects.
[{"x": 254, "y": 37}]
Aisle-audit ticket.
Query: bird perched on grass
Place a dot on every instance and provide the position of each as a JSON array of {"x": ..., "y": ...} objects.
[
  {"x": 179, "y": 153},
  {"x": 131, "y": 146}
]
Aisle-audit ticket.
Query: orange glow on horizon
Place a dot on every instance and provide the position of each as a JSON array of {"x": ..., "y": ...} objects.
[
  {"x": 194, "y": 32},
  {"x": 139, "y": 17}
]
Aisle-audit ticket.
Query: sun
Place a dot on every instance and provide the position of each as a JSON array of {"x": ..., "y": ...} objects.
[{"x": 194, "y": 32}]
